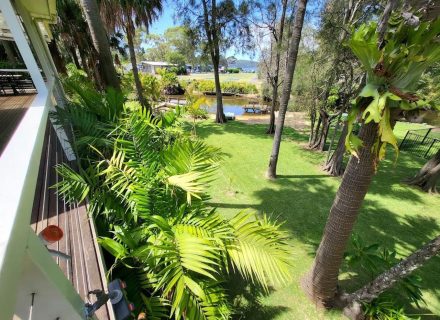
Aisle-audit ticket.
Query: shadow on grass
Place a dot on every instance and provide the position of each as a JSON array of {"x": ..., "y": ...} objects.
[
  {"x": 247, "y": 300},
  {"x": 303, "y": 201},
  {"x": 207, "y": 128}
]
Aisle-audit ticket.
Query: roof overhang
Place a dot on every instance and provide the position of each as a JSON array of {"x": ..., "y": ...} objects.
[{"x": 43, "y": 12}]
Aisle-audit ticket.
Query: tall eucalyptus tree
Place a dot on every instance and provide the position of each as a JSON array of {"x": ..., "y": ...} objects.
[{"x": 287, "y": 86}]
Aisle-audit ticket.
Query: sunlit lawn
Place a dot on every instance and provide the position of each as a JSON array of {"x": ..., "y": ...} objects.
[
  {"x": 242, "y": 76},
  {"x": 393, "y": 214}
]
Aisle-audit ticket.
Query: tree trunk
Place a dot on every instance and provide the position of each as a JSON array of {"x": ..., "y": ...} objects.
[
  {"x": 315, "y": 131},
  {"x": 137, "y": 80},
  {"x": 287, "y": 87},
  {"x": 58, "y": 60},
  {"x": 279, "y": 43},
  {"x": 101, "y": 44},
  {"x": 335, "y": 164},
  {"x": 74, "y": 57},
  {"x": 428, "y": 176},
  {"x": 321, "y": 138},
  {"x": 321, "y": 282},
  {"x": 219, "y": 114},
  {"x": 312, "y": 125},
  {"x": 271, "y": 128},
  {"x": 388, "y": 278}
]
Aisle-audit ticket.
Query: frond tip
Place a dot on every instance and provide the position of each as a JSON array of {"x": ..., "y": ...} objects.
[{"x": 259, "y": 250}]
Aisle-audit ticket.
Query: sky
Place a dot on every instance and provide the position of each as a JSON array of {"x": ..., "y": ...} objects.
[{"x": 166, "y": 21}]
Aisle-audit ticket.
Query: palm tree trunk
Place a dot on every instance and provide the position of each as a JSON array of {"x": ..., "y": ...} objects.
[
  {"x": 388, "y": 278},
  {"x": 137, "y": 80},
  {"x": 101, "y": 44},
  {"x": 321, "y": 283},
  {"x": 279, "y": 40},
  {"x": 58, "y": 59},
  {"x": 287, "y": 87},
  {"x": 429, "y": 175}
]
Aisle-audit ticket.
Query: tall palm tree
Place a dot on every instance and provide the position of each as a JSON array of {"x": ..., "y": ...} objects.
[
  {"x": 101, "y": 44},
  {"x": 390, "y": 83},
  {"x": 127, "y": 15},
  {"x": 287, "y": 88}
]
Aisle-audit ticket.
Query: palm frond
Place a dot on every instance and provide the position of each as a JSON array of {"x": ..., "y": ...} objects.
[{"x": 259, "y": 250}]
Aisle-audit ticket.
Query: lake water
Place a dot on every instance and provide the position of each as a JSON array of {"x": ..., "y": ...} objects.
[{"x": 235, "y": 105}]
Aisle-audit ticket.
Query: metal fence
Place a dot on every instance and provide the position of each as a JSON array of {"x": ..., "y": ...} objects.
[{"x": 420, "y": 143}]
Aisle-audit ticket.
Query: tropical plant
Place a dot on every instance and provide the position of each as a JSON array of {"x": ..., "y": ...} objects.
[
  {"x": 384, "y": 308},
  {"x": 374, "y": 259},
  {"x": 393, "y": 68},
  {"x": 146, "y": 180}
]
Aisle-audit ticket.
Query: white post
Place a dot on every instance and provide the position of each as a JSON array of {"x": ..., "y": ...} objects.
[{"x": 17, "y": 32}]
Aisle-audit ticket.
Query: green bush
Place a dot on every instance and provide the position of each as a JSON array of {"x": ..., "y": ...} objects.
[
  {"x": 227, "y": 86},
  {"x": 233, "y": 70}
]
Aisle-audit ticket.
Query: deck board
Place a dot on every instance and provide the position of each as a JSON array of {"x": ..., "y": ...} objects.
[
  {"x": 84, "y": 269},
  {"x": 12, "y": 110}
]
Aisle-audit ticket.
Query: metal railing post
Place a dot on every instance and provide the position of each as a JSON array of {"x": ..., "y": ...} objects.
[
  {"x": 426, "y": 135},
  {"x": 401, "y": 144},
  {"x": 429, "y": 149}
]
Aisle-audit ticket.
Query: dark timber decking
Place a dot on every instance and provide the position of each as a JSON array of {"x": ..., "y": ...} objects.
[
  {"x": 84, "y": 269},
  {"x": 12, "y": 110}
]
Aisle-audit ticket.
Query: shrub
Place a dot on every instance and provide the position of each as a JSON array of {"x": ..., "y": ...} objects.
[
  {"x": 170, "y": 83},
  {"x": 226, "y": 86},
  {"x": 233, "y": 70}
]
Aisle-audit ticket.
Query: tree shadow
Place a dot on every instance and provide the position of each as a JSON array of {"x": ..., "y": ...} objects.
[
  {"x": 208, "y": 128},
  {"x": 247, "y": 300}
]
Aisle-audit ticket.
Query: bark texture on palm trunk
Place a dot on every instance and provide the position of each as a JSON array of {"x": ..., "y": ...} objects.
[
  {"x": 388, "y": 278},
  {"x": 287, "y": 87},
  {"x": 101, "y": 43},
  {"x": 137, "y": 81},
  {"x": 321, "y": 283},
  {"x": 428, "y": 177}
]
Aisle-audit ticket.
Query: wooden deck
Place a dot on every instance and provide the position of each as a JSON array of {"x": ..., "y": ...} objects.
[
  {"x": 12, "y": 110},
  {"x": 84, "y": 269}
]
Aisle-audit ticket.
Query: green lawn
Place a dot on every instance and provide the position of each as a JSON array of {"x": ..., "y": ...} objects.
[
  {"x": 393, "y": 214},
  {"x": 242, "y": 76}
]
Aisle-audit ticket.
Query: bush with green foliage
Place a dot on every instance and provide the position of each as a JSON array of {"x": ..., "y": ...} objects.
[
  {"x": 151, "y": 86},
  {"x": 169, "y": 82},
  {"x": 233, "y": 70},
  {"x": 145, "y": 180},
  {"x": 235, "y": 87},
  {"x": 372, "y": 260}
]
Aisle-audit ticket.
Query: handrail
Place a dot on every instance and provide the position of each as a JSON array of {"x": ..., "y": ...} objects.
[{"x": 19, "y": 164}]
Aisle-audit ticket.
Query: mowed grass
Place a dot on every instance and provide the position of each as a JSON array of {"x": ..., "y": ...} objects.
[
  {"x": 239, "y": 77},
  {"x": 393, "y": 214}
]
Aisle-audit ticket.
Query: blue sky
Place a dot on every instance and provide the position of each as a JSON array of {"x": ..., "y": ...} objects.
[{"x": 166, "y": 21}]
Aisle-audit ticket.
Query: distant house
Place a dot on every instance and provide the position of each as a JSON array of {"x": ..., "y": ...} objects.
[{"x": 153, "y": 66}]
